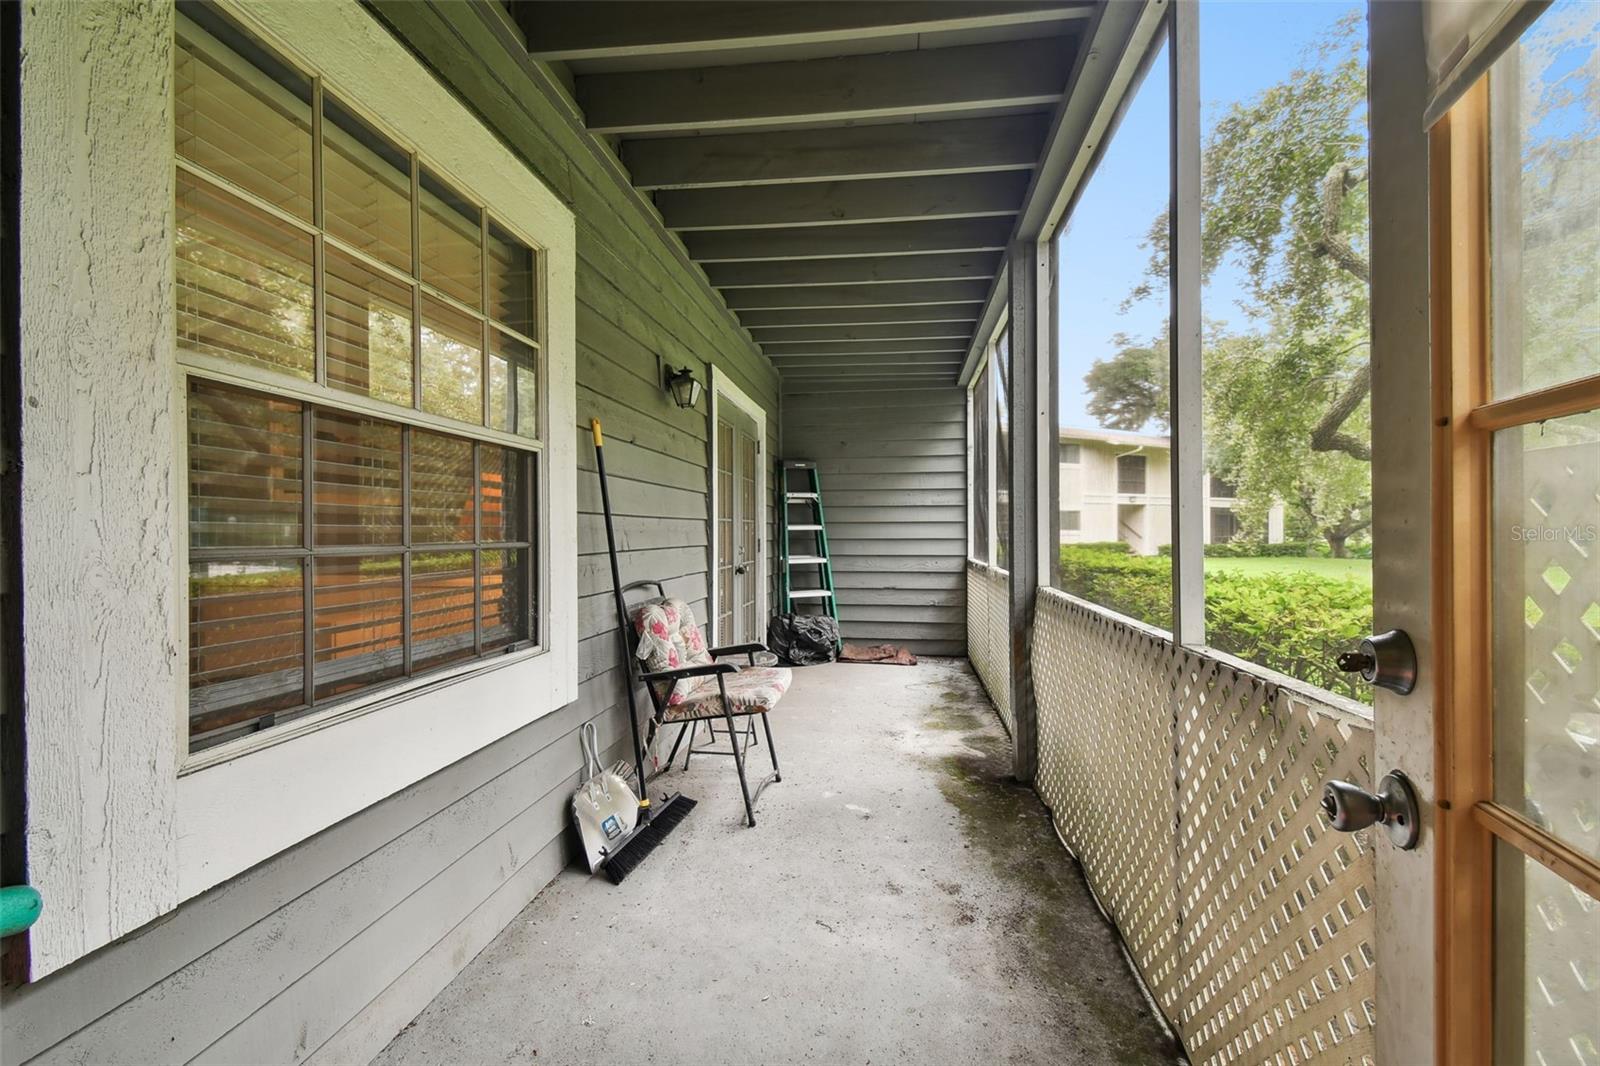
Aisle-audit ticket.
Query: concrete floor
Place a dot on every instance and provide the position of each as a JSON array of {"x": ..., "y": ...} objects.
[{"x": 900, "y": 900}]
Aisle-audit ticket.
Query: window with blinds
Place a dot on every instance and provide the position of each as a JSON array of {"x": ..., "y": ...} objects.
[{"x": 361, "y": 345}]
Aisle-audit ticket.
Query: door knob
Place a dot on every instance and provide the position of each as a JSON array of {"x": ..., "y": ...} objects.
[
  {"x": 1350, "y": 807},
  {"x": 1387, "y": 660}
]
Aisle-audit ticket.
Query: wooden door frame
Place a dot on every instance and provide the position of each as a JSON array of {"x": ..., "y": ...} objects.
[
  {"x": 1465, "y": 417},
  {"x": 725, "y": 390}
]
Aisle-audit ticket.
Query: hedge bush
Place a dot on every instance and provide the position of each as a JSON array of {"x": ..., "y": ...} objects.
[
  {"x": 1247, "y": 549},
  {"x": 1295, "y": 623}
]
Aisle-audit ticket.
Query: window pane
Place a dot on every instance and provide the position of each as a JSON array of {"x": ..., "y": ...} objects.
[
  {"x": 442, "y": 622},
  {"x": 1002, "y": 450},
  {"x": 980, "y": 466},
  {"x": 359, "y": 632},
  {"x": 368, "y": 322},
  {"x": 513, "y": 386},
  {"x": 511, "y": 294},
  {"x": 506, "y": 614},
  {"x": 441, "y": 488},
  {"x": 1547, "y": 625},
  {"x": 243, "y": 115},
  {"x": 246, "y": 641},
  {"x": 366, "y": 187},
  {"x": 1112, "y": 303},
  {"x": 451, "y": 241},
  {"x": 1546, "y": 965},
  {"x": 1544, "y": 135},
  {"x": 1285, "y": 371},
  {"x": 357, "y": 498},
  {"x": 506, "y": 491},
  {"x": 244, "y": 469},
  {"x": 452, "y": 363},
  {"x": 244, "y": 282}
]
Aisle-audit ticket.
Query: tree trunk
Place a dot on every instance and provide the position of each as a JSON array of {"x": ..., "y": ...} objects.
[{"x": 1336, "y": 542}]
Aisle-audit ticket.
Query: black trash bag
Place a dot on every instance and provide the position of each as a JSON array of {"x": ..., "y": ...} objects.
[{"x": 803, "y": 639}]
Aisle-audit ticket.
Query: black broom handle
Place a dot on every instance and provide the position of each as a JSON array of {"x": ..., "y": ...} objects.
[{"x": 622, "y": 610}]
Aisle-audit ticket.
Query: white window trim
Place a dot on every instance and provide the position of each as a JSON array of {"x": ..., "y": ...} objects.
[
  {"x": 723, "y": 389},
  {"x": 122, "y": 826}
]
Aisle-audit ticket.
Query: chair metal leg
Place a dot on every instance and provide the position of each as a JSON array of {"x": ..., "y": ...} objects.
[
  {"x": 694, "y": 729},
  {"x": 766, "y": 724},
  {"x": 738, "y": 760},
  {"x": 682, "y": 729}
]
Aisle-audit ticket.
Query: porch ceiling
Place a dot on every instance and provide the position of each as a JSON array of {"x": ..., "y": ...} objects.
[{"x": 847, "y": 173}]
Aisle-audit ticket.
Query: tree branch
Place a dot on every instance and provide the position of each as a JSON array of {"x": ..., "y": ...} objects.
[
  {"x": 1340, "y": 179},
  {"x": 1325, "y": 436}
]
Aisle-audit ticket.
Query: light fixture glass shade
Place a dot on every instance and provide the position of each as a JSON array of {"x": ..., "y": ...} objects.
[{"x": 685, "y": 388}]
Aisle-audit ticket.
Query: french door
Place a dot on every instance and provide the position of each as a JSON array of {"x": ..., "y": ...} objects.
[
  {"x": 1515, "y": 206},
  {"x": 737, "y": 526}
]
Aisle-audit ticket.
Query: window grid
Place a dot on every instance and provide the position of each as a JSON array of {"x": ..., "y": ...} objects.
[{"x": 517, "y": 583}]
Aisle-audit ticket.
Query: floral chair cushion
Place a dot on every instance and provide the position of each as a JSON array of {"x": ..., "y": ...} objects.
[
  {"x": 753, "y": 690},
  {"x": 669, "y": 639}
]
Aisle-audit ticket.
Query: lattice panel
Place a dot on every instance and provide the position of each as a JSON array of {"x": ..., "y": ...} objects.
[
  {"x": 989, "y": 634},
  {"x": 1189, "y": 791}
]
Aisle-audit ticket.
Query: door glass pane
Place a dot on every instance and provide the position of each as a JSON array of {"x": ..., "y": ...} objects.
[
  {"x": 1112, "y": 303},
  {"x": 441, "y": 488},
  {"x": 451, "y": 241},
  {"x": 242, "y": 114},
  {"x": 368, "y": 322},
  {"x": 511, "y": 295},
  {"x": 244, "y": 469},
  {"x": 244, "y": 282},
  {"x": 725, "y": 546},
  {"x": 246, "y": 640},
  {"x": 442, "y": 606},
  {"x": 748, "y": 543},
  {"x": 1546, "y": 544},
  {"x": 513, "y": 386},
  {"x": 1285, "y": 352},
  {"x": 366, "y": 187},
  {"x": 1546, "y": 965},
  {"x": 1544, "y": 135},
  {"x": 357, "y": 616},
  {"x": 356, "y": 480},
  {"x": 452, "y": 362}
]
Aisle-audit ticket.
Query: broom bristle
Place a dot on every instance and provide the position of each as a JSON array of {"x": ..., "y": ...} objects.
[{"x": 637, "y": 848}]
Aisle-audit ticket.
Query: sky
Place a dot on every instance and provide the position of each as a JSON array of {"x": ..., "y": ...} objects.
[{"x": 1244, "y": 48}]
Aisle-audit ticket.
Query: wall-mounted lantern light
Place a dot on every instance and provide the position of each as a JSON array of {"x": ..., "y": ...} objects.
[{"x": 683, "y": 386}]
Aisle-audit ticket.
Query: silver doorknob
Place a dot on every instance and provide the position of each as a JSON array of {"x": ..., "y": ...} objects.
[
  {"x": 1388, "y": 660},
  {"x": 1350, "y": 808}
]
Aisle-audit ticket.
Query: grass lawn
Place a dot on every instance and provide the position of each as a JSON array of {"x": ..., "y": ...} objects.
[{"x": 1352, "y": 569}]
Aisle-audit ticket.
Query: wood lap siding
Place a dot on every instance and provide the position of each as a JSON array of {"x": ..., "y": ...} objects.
[
  {"x": 893, "y": 466},
  {"x": 325, "y": 951}
]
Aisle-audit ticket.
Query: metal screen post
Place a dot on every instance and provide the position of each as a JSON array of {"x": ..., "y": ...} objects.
[{"x": 1023, "y": 556}]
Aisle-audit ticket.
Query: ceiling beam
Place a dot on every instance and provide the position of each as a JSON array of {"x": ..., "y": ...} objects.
[
  {"x": 578, "y": 29},
  {"x": 883, "y": 331},
  {"x": 910, "y": 293},
  {"x": 958, "y": 146},
  {"x": 872, "y": 239},
  {"x": 1009, "y": 74},
  {"x": 856, "y": 271},
  {"x": 849, "y": 316},
  {"x": 879, "y": 200},
  {"x": 957, "y": 347}
]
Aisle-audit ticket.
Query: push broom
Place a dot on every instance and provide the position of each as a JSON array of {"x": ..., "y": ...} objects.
[{"x": 656, "y": 820}]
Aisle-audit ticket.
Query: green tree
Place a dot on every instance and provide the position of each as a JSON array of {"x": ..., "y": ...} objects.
[
  {"x": 1130, "y": 390},
  {"x": 1284, "y": 191}
]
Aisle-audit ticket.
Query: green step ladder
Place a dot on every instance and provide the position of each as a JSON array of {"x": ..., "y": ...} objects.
[{"x": 811, "y": 553}]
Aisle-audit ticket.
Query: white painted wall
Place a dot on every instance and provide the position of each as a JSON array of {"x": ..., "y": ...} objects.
[{"x": 120, "y": 829}]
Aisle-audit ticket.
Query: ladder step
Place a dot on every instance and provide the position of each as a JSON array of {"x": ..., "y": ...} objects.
[
  {"x": 804, "y": 529},
  {"x": 810, "y": 594},
  {"x": 803, "y": 495},
  {"x": 808, "y": 560}
]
